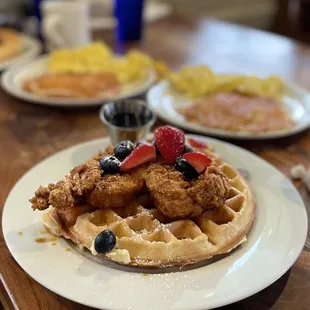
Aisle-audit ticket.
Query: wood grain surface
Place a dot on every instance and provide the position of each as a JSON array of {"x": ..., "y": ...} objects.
[{"x": 29, "y": 133}]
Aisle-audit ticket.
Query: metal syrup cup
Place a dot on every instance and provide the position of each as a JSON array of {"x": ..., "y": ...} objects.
[{"x": 145, "y": 119}]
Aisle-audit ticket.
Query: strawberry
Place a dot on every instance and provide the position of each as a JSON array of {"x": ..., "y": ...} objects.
[
  {"x": 170, "y": 142},
  {"x": 142, "y": 154},
  {"x": 198, "y": 160},
  {"x": 197, "y": 143}
]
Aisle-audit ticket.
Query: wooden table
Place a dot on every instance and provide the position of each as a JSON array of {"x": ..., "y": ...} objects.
[{"x": 29, "y": 133}]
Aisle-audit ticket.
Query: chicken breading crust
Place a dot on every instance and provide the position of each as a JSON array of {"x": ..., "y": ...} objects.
[
  {"x": 173, "y": 195},
  {"x": 177, "y": 198}
]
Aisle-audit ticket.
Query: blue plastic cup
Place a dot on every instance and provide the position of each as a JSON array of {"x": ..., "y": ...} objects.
[
  {"x": 37, "y": 14},
  {"x": 36, "y": 9},
  {"x": 129, "y": 15}
]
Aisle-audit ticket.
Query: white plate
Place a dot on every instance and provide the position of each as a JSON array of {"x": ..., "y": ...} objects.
[
  {"x": 274, "y": 243},
  {"x": 165, "y": 102},
  {"x": 12, "y": 81},
  {"x": 31, "y": 48}
]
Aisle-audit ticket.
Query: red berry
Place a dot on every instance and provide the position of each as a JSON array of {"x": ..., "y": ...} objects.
[
  {"x": 198, "y": 160},
  {"x": 170, "y": 142},
  {"x": 142, "y": 154},
  {"x": 197, "y": 143}
]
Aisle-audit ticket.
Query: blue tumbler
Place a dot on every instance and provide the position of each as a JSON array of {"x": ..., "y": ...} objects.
[
  {"x": 129, "y": 16},
  {"x": 37, "y": 14},
  {"x": 36, "y": 9}
]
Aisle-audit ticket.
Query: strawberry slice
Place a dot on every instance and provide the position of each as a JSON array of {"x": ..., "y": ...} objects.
[
  {"x": 197, "y": 143},
  {"x": 198, "y": 160},
  {"x": 170, "y": 142},
  {"x": 142, "y": 154}
]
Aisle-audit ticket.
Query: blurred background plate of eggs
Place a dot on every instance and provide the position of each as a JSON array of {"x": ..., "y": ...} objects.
[{"x": 97, "y": 57}]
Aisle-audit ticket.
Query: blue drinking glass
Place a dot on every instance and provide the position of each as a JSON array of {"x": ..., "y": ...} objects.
[
  {"x": 37, "y": 14},
  {"x": 36, "y": 9},
  {"x": 129, "y": 15}
]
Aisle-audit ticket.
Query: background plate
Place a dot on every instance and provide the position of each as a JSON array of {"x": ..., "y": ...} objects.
[
  {"x": 164, "y": 102},
  {"x": 274, "y": 243},
  {"x": 32, "y": 48},
  {"x": 12, "y": 81}
]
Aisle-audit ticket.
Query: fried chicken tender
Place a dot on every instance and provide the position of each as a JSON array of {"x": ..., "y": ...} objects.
[
  {"x": 169, "y": 191},
  {"x": 85, "y": 176},
  {"x": 175, "y": 197},
  {"x": 210, "y": 190},
  {"x": 115, "y": 191},
  {"x": 40, "y": 199},
  {"x": 85, "y": 184},
  {"x": 70, "y": 190},
  {"x": 171, "y": 194}
]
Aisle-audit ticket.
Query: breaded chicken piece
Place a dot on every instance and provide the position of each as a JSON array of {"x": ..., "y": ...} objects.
[
  {"x": 175, "y": 197},
  {"x": 41, "y": 196},
  {"x": 62, "y": 196},
  {"x": 172, "y": 194},
  {"x": 169, "y": 192},
  {"x": 115, "y": 191},
  {"x": 86, "y": 184},
  {"x": 210, "y": 190},
  {"x": 72, "y": 188}
]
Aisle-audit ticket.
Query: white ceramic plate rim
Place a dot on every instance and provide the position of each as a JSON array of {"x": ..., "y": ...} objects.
[
  {"x": 32, "y": 48},
  {"x": 10, "y": 86},
  {"x": 157, "y": 93},
  {"x": 146, "y": 289}
]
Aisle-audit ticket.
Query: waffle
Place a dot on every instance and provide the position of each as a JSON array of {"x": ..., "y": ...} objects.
[{"x": 146, "y": 238}]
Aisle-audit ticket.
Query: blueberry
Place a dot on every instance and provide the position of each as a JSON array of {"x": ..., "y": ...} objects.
[
  {"x": 186, "y": 168},
  {"x": 123, "y": 149},
  {"x": 187, "y": 149},
  {"x": 110, "y": 164},
  {"x": 105, "y": 242}
]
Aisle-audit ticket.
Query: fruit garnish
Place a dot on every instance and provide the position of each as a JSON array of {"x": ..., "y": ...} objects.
[
  {"x": 170, "y": 142},
  {"x": 123, "y": 149},
  {"x": 187, "y": 149},
  {"x": 186, "y": 168},
  {"x": 197, "y": 143},
  {"x": 198, "y": 160},
  {"x": 105, "y": 242},
  {"x": 157, "y": 150},
  {"x": 142, "y": 154},
  {"x": 110, "y": 164},
  {"x": 143, "y": 142}
]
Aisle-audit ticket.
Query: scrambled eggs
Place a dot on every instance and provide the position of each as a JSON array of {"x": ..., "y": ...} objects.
[
  {"x": 194, "y": 82},
  {"x": 98, "y": 58},
  {"x": 198, "y": 81}
]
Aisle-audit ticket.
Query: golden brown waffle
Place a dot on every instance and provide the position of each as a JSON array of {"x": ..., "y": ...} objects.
[{"x": 146, "y": 238}]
